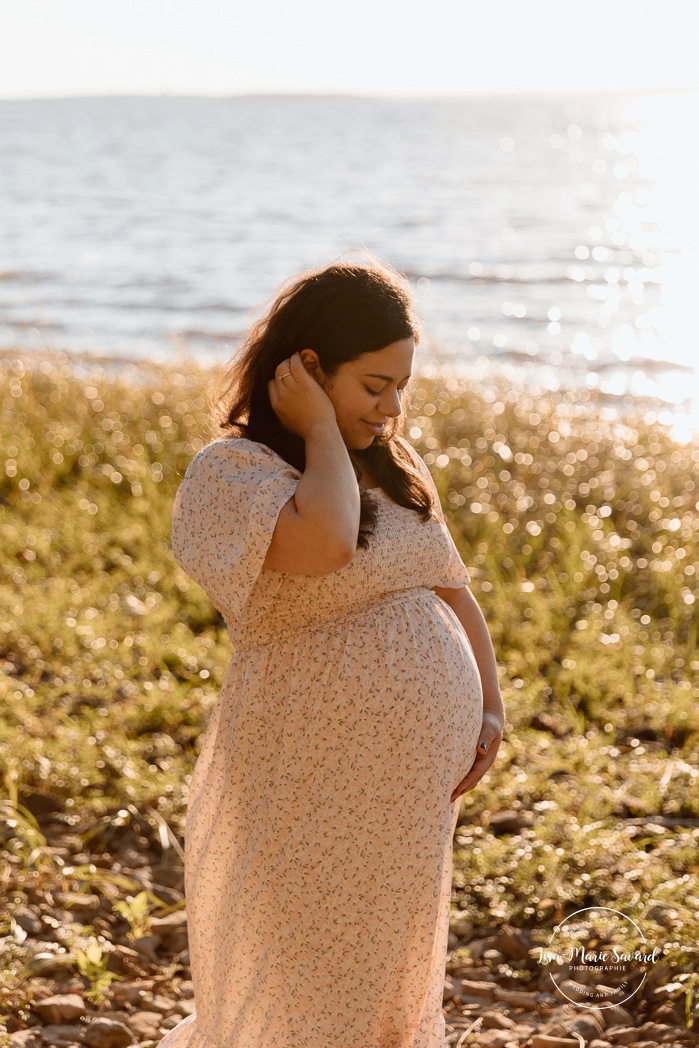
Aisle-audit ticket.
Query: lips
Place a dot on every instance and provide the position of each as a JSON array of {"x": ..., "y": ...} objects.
[{"x": 375, "y": 427}]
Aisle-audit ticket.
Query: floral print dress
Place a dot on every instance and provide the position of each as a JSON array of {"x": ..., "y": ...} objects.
[{"x": 318, "y": 837}]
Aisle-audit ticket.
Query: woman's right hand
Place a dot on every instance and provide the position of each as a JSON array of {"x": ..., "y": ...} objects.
[{"x": 298, "y": 399}]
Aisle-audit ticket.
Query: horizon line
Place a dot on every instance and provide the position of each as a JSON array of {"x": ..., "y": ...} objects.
[{"x": 395, "y": 95}]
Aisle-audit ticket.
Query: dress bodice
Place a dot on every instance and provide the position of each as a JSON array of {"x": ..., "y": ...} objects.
[{"x": 224, "y": 515}]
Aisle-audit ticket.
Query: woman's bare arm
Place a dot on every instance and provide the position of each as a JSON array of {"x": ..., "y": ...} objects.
[{"x": 316, "y": 531}]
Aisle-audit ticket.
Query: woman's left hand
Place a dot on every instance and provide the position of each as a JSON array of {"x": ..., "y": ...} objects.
[{"x": 491, "y": 736}]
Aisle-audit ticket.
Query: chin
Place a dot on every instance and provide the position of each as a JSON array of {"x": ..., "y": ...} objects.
[{"x": 358, "y": 441}]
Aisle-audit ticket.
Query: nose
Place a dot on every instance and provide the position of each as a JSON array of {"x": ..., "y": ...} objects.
[{"x": 392, "y": 404}]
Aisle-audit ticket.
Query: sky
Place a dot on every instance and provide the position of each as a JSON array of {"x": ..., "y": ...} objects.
[{"x": 54, "y": 48}]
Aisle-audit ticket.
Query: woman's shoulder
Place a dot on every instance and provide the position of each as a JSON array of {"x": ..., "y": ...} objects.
[
  {"x": 237, "y": 442},
  {"x": 230, "y": 447},
  {"x": 233, "y": 454}
]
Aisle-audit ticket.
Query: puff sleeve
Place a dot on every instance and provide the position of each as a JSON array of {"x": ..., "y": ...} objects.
[
  {"x": 224, "y": 515},
  {"x": 454, "y": 575}
]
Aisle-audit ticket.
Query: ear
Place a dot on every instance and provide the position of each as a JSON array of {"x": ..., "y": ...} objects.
[{"x": 311, "y": 362}]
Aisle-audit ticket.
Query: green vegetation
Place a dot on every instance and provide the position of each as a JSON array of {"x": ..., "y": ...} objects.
[{"x": 581, "y": 535}]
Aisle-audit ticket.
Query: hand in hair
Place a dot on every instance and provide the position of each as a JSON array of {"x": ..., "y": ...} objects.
[{"x": 298, "y": 399}]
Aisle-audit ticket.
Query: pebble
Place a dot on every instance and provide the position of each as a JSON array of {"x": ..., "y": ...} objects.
[
  {"x": 107, "y": 1033},
  {"x": 545, "y": 1041},
  {"x": 129, "y": 993},
  {"x": 145, "y": 1024},
  {"x": 476, "y": 989},
  {"x": 518, "y": 998},
  {"x": 26, "y": 1039},
  {"x": 162, "y": 1005},
  {"x": 494, "y": 1039},
  {"x": 498, "y": 1021},
  {"x": 170, "y": 925},
  {"x": 45, "y": 963},
  {"x": 574, "y": 991},
  {"x": 625, "y": 1035},
  {"x": 509, "y": 821},
  {"x": 588, "y": 1026},
  {"x": 123, "y": 960},
  {"x": 82, "y": 903},
  {"x": 616, "y": 1015},
  {"x": 61, "y": 1035},
  {"x": 185, "y": 1008},
  {"x": 60, "y": 1008},
  {"x": 27, "y": 920},
  {"x": 146, "y": 945},
  {"x": 512, "y": 943}
]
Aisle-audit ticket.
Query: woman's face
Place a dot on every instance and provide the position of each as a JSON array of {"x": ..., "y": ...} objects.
[{"x": 366, "y": 392}]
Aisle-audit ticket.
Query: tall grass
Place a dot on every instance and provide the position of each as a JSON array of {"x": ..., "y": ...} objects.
[{"x": 580, "y": 531}]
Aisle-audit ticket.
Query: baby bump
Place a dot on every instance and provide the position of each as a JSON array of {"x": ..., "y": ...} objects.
[
  {"x": 448, "y": 663},
  {"x": 426, "y": 687}
]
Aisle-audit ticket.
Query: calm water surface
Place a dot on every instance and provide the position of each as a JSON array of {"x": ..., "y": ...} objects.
[{"x": 552, "y": 238}]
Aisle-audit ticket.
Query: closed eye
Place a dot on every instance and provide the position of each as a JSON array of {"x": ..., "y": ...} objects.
[{"x": 378, "y": 392}]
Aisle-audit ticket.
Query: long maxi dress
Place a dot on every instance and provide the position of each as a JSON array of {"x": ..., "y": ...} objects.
[{"x": 319, "y": 828}]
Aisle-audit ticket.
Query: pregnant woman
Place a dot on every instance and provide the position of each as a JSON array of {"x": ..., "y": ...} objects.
[{"x": 361, "y": 699}]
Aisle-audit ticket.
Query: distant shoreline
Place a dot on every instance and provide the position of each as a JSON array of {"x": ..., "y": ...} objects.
[
  {"x": 590, "y": 403},
  {"x": 376, "y": 95}
]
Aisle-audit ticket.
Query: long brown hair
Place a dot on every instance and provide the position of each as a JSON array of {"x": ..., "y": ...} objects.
[{"x": 342, "y": 312}]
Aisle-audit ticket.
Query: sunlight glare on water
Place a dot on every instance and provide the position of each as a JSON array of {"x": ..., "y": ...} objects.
[{"x": 660, "y": 219}]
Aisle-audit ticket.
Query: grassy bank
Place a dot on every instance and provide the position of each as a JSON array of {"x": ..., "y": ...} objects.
[{"x": 581, "y": 536}]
